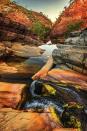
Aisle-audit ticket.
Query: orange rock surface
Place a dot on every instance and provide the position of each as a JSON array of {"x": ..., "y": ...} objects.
[
  {"x": 18, "y": 23},
  {"x": 27, "y": 121},
  {"x": 18, "y": 120},
  {"x": 21, "y": 15},
  {"x": 76, "y": 11},
  {"x": 67, "y": 77},
  {"x": 10, "y": 94}
]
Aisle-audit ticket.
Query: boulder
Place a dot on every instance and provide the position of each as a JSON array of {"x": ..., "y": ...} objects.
[
  {"x": 10, "y": 94},
  {"x": 26, "y": 121}
]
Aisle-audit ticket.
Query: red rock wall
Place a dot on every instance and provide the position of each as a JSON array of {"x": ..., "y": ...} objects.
[
  {"x": 21, "y": 15},
  {"x": 77, "y": 11}
]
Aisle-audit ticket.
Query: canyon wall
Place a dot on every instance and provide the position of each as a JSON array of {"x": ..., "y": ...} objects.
[
  {"x": 75, "y": 14},
  {"x": 17, "y": 20}
]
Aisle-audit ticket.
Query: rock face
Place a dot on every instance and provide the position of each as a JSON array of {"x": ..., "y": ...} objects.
[
  {"x": 26, "y": 121},
  {"x": 10, "y": 94},
  {"x": 17, "y": 68},
  {"x": 18, "y": 40},
  {"x": 68, "y": 77},
  {"x": 2, "y": 49},
  {"x": 19, "y": 50},
  {"x": 25, "y": 50},
  {"x": 75, "y": 13},
  {"x": 4, "y": 1},
  {"x": 19, "y": 29},
  {"x": 16, "y": 23},
  {"x": 77, "y": 38}
]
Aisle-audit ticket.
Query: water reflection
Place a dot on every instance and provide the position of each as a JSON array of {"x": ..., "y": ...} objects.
[{"x": 25, "y": 67}]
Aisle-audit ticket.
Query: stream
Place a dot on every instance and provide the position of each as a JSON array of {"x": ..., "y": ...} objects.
[{"x": 66, "y": 99}]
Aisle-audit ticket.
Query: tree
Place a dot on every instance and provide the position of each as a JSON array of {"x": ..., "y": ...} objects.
[
  {"x": 40, "y": 30},
  {"x": 73, "y": 26}
]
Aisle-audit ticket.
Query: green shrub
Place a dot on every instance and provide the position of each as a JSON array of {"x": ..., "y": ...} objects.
[
  {"x": 40, "y": 30},
  {"x": 73, "y": 26}
]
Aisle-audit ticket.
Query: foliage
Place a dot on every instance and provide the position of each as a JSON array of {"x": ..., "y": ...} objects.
[
  {"x": 40, "y": 30},
  {"x": 73, "y": 26}
]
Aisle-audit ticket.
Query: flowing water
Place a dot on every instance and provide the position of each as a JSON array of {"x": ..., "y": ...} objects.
[
  {"x": 34, "y": 64},
  {"x": 48, "y": 49}
]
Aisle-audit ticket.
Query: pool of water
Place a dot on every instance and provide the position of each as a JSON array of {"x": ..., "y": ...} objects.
[{"x": 29, "y": 66}]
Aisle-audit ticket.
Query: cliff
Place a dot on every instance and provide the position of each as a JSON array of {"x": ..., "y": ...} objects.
[
  {"x": 18, "y": 21},
  {"x": 74, "y": 17}
]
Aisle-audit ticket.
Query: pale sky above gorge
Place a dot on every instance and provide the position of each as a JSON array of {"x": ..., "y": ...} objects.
[{"x": 50, "y": 8}]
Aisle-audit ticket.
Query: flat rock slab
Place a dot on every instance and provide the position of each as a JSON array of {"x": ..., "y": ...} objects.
[
  {"x": 22, "y": 121},
  {"x": 10, "y": 94},
  {"x": 4, "y": 68},
  {"x": 27, "y": 121},
  {"x": 25, "y": 51},
  {"x": 19, "y": 50},
  {"x": 68, "y": 77}
]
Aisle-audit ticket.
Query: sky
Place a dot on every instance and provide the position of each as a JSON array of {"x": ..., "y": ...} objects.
[{"x": 51, "y": 8}]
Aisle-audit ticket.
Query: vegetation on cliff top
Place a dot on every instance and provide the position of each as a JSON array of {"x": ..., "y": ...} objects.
[
  {"x": 73, "y": 17},
  {"x": 73, "y": 27},
  {"x": 37, "y": 22},
  {"x": 40, "y": 30}
]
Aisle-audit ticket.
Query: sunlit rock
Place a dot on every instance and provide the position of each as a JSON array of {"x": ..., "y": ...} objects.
[
  {"x": 68, "y": 77},
  {"x": 26, "y": 120},
  {"x": 25, "y": 50},
  {"x": 10, "y": 94},
  {"x": 76, "y": 12},
  {"x": 19, "y": 24}
]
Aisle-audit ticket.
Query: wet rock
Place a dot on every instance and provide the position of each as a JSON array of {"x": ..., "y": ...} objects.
[
  {"x": 16, "y": 68},
  {"x": 68, "y": 77},
  {"x": 10, "y": 94}
]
